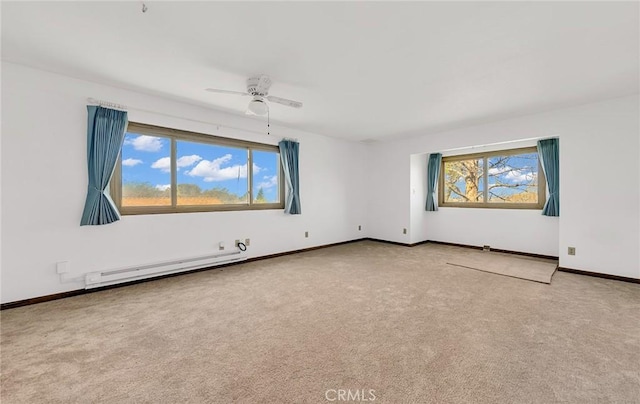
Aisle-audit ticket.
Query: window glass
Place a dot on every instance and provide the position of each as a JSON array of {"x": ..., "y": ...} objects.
[
  {"x": 513, "y": 179},
  {"x": 464, "y": 180},
  {"x": 497, "y": 179},
  {"x": 146, "y": 170},
  {"x": 166, "y": 170},
  {"x": 266, "y": 177},
  {"x": 210, "y": 174}
]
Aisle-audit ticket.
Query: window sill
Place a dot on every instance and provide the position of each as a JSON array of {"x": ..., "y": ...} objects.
[
  {"x": 493, "y": 206},
  {"x": 132, "y": 211}
]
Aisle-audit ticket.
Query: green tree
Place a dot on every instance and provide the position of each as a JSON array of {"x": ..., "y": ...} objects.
[{"x": 260, "y": 198}]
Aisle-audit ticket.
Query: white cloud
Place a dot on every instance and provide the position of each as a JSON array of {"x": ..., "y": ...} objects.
[
  {"x": 145, "y": 143},
  {"x": 269, "y": 182},
  {"x": 131, "y": 162},
  {"x": 186, "y": 161},
  {"x": 163, "y": 187},
  {"x": 512, "y": 174},
  {"x": 213, "y": 171},
  {"x": 163, "y": 164},
  {"x": 500, "y": 170},
  {"x": 519, "y": 176}
]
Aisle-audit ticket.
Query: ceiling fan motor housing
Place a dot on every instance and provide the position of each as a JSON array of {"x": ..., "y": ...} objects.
[{"x": 258, "y": 85}]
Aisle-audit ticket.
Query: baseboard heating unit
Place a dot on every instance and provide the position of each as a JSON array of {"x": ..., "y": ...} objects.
[{"x": 112, "y": 277}]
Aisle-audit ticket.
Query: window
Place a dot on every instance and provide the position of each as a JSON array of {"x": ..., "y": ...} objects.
[
  {"x": 165, "y": 170},
  {"x": 508, "y": 179}
]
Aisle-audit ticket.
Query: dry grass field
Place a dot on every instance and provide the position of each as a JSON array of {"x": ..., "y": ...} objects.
[{"x": 166, "y": 201}]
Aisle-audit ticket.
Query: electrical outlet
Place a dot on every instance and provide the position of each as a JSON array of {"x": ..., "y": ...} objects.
[
  {"x": 571, "y": 251},
  {"x": 247, "y": 242},
  {"x": 306, "y": 234},
  {"x": 221, "y": 245},
  {"x": 359, "y": 227},
  {"x": 237, "y": 242},
  {"x": 404, "y": 231},
  {"x": 486, "y": 248}
]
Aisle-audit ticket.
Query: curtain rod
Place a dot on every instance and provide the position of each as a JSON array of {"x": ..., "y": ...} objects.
[
  {"x": 107, "y": 104},
  {"x": 125, "y": 108},
  {"x": 491, "y": 144}
]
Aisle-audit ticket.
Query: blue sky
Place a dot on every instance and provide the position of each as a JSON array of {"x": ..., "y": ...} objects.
[{"x": 146, "y": 159}]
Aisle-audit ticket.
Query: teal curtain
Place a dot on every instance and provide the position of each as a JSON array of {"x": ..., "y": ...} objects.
[
  {"x": 548, "y": 151},
  {"x": 289, "y": 151},
  {"x": 105, "y": 133},
  {"x": 433, "y": 172}
]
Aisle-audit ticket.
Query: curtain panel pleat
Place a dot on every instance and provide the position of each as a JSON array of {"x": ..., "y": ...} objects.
[
  {"x": 105, "y": 134},
  {"x": 289, "y": 151},
  {"x": 549, "y": 153},
  {"x": 433, "y": 172}
]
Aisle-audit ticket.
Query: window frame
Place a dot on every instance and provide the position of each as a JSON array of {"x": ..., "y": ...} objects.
[
  {"x": 174, "y": 135},
  {"x": 542, "y": 183}
]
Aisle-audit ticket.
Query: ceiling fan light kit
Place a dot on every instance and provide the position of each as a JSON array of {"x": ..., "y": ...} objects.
[{"x": 258, "y": 106}]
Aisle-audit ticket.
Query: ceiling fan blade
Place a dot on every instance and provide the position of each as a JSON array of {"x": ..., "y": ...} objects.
[
  {"x": 284, "y": 101},
  {"x": 215, "y": 90},
  {"x": 264, "y": 83}
]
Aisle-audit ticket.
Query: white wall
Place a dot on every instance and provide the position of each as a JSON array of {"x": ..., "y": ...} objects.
[
  {"x": 603, "y": 226},
  {"x": 44, "y": 184},
  {"x": 418, "y": 195},
  {"x": 380, "y": 186},
  {"x": 534, "y": 233}
]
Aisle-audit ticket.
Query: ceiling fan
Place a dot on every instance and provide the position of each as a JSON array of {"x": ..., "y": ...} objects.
[{"x": 258, "y": 88}]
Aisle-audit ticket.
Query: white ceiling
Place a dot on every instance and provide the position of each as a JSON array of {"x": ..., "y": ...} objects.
[{"x": 363, "y": 70}]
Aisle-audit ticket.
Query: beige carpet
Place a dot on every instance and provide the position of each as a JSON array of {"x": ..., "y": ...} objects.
[
  {"x": 366, "y": 315},
  {"x": 516, "y": 266}
]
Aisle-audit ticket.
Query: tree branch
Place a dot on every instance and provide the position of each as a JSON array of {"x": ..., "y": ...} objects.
[
  {"x": 453, "y": 188},
  {"x": 501, "y": 185}
]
